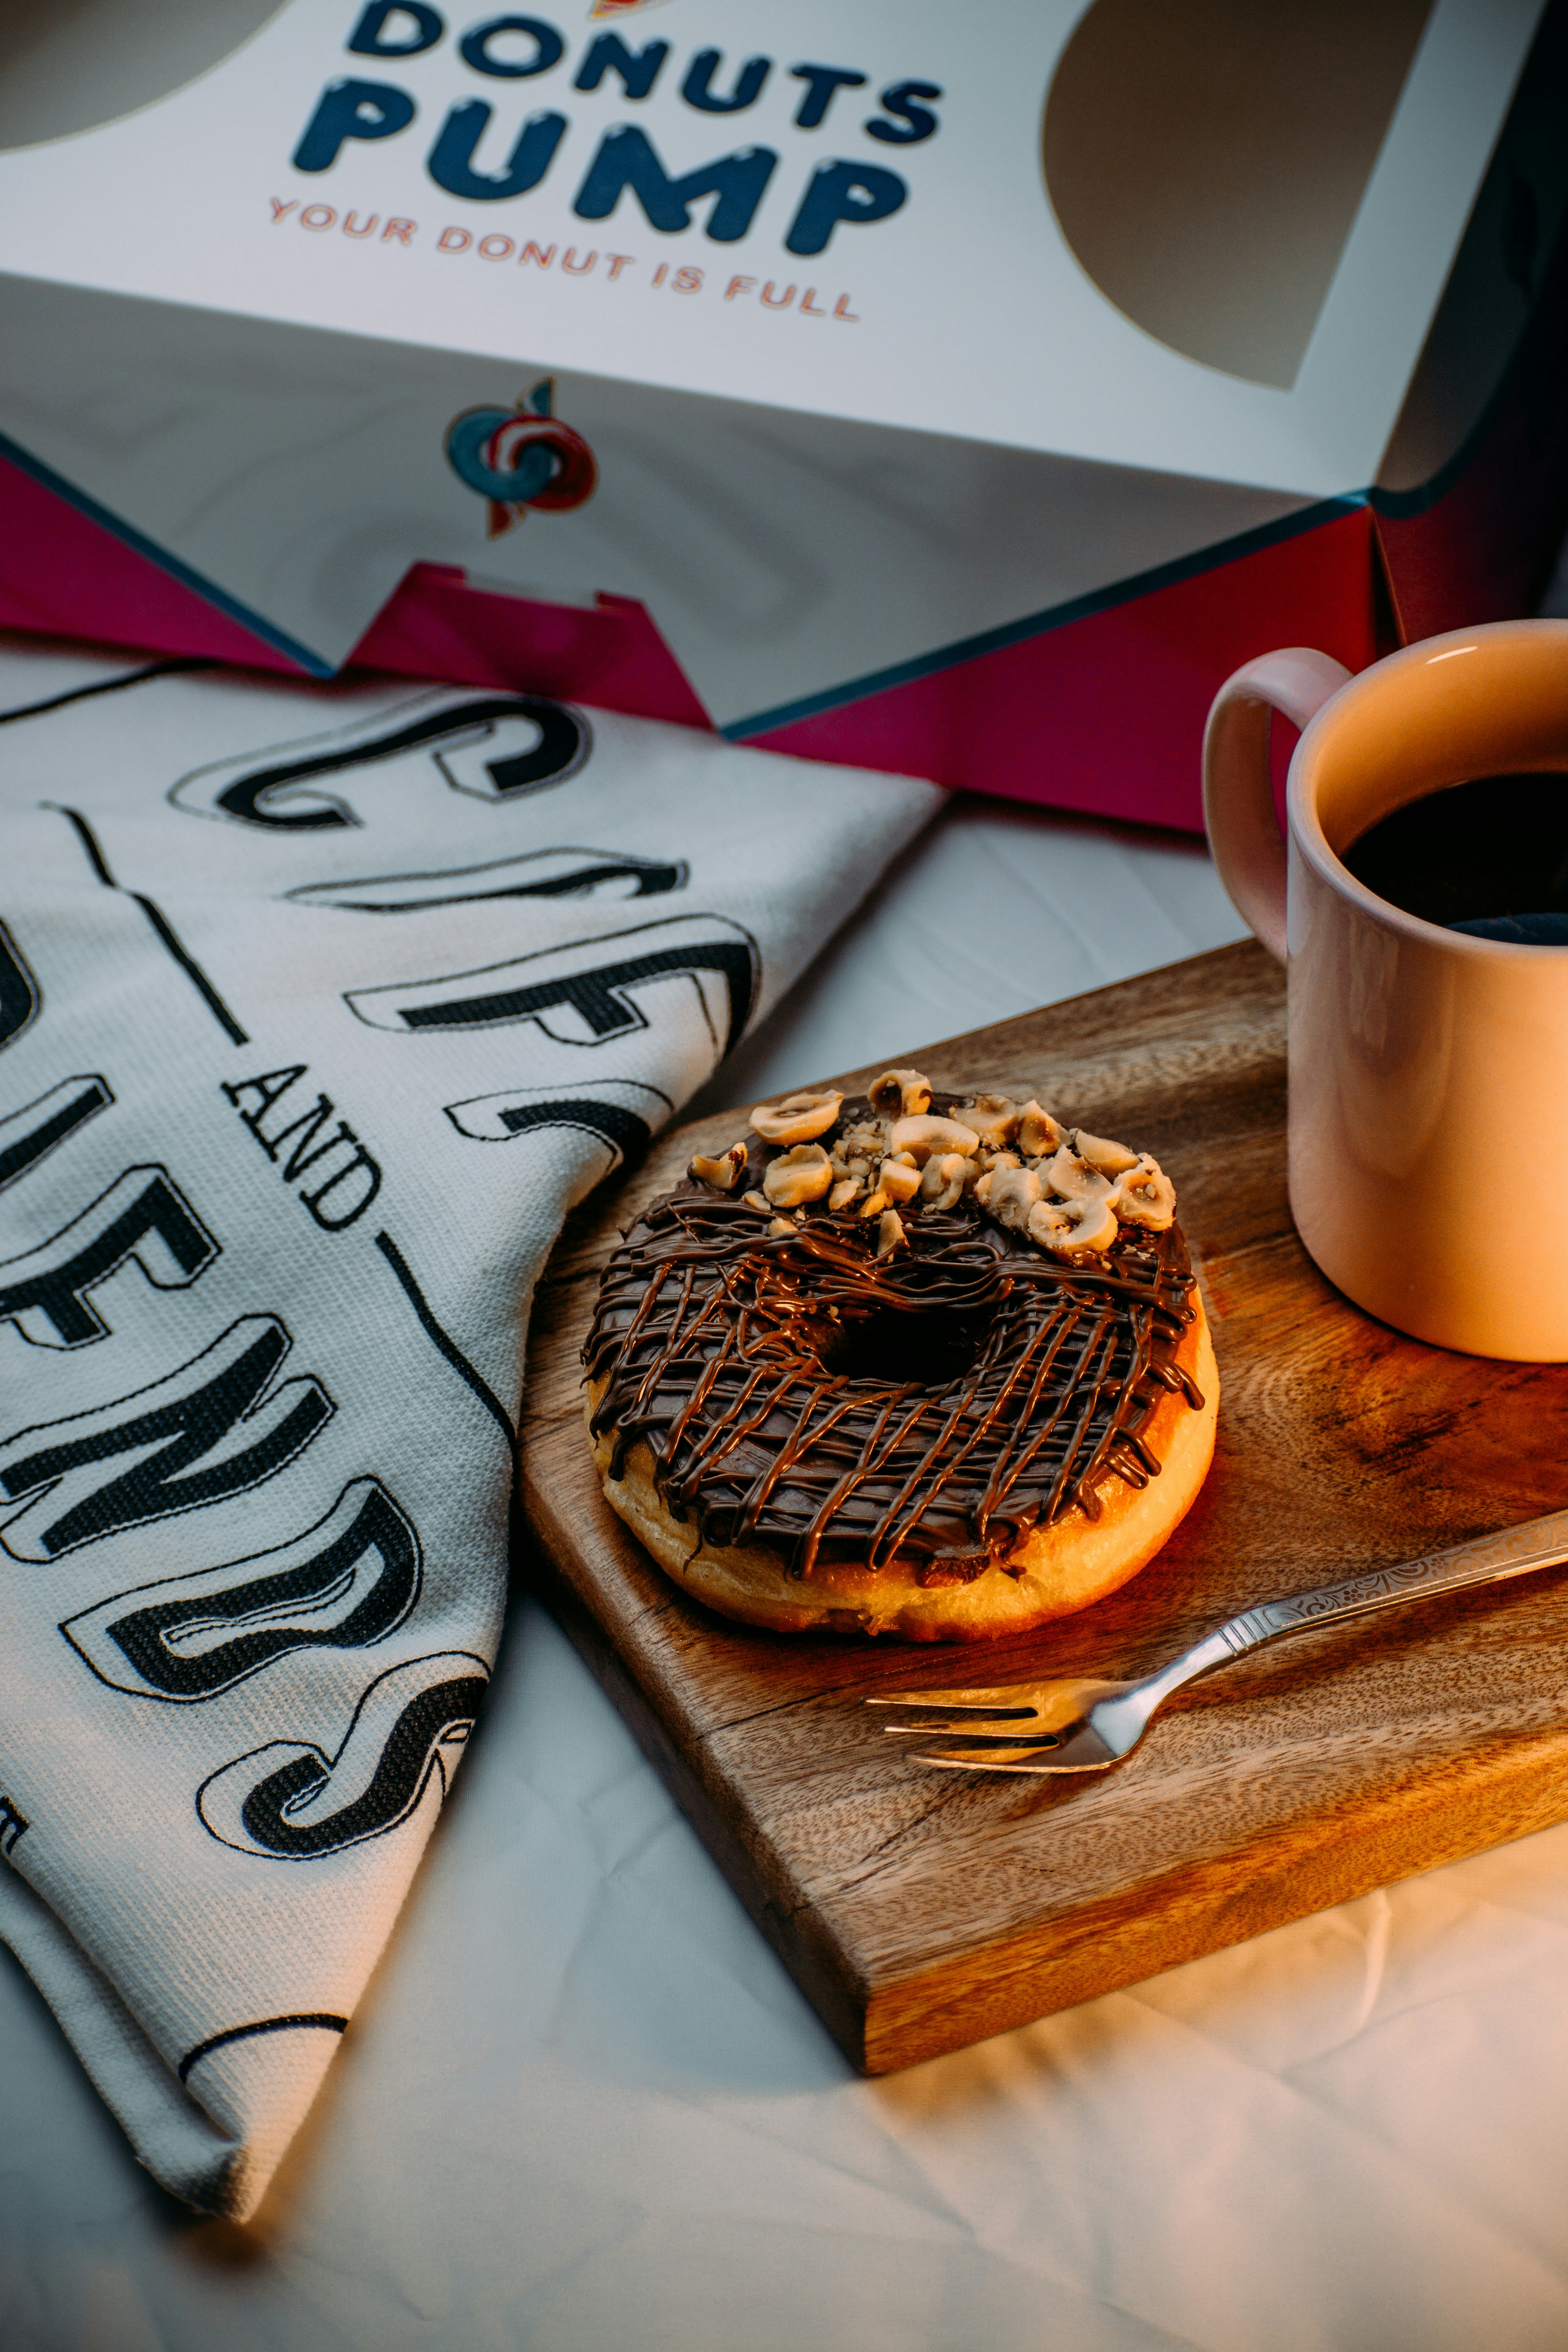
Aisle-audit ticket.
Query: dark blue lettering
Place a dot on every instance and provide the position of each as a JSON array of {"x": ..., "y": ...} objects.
[
  {"x": 821, "y": 82},
  {"x": 350, "y": 110},
  {"x": 549, "y": 48},
  {"x": 451, "y": 159},
  {"x": 842, "y": 192},
  {"x": 918, "y": 122},
  {"x": 369, "y": 38},
  {"x": 638, "y": 68},
  {"x": 627, "y": 160},
  {"x": 697, "y": 90}
]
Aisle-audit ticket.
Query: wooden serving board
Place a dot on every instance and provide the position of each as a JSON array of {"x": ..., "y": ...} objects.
[{"x": 921, "y": 1910}]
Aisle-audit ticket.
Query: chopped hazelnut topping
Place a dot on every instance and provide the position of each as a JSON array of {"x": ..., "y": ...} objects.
[
  {"x": 723, "y": 1174},
  {"x": 1038, "y": 1133},
  {"x": 1073, "y": 1228},
  {"x": 944, "y": 1182},
  {"x": 804, "y": 1174},
  {"x": 1010, "y": 1194},
  {"x": 994, "y": 1118},
  {"x": 1067, "y": 1190},
  {"x": 902, "y": 1092},
  {"x": 1145, "y": 1196},
  {"x": 918, "y": 1137},
  {"x": 1107, "y": 1159},
  {"x": 799, "y": 1119},
  {"x": 899, "y": 1180}
]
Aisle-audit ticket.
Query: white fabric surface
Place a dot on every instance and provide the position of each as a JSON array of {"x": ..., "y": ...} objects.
[
  {"x": 318, "y": 1010},
  {"x": 582, "y": 2106}
]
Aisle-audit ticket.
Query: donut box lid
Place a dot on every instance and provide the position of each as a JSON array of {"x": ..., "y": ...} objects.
[{"x": 884, "y": 322}]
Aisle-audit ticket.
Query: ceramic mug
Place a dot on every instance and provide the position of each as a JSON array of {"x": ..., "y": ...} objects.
[{"x": 1429, "y": 1117}]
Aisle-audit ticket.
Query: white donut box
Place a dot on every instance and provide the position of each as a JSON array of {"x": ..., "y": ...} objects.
[{"x": 968, "y": 389}]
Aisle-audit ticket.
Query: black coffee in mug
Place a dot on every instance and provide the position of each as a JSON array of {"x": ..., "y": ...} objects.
[{"x": 1489, "y": 856}]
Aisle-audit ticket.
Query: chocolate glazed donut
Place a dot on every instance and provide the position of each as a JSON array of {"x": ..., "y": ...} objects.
[{"x": 911, "y": 1419}]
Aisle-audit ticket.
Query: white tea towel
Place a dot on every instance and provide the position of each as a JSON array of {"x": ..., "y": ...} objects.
[{"x": 318, "y": 1009}]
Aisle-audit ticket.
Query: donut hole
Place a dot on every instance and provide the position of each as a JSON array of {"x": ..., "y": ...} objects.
[{"x": 893, "y": 1346}]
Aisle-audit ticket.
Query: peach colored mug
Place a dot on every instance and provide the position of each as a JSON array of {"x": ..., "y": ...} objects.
[{"x": 1428, "y": 1120}]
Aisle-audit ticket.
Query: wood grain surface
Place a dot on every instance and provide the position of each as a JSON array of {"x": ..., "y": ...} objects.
[{"x": 921, "y": 1910}]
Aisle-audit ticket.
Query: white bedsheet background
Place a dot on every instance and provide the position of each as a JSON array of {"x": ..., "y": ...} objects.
[{"x": 583, "y": 2110}]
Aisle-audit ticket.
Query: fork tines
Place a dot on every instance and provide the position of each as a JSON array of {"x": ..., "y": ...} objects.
[
  {"x": 1002, "y": 1704},
  {"x": 997, "y": 1759},
  {"x": 990, "y": 1730}
]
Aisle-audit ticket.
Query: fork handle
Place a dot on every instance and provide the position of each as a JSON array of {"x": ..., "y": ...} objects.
[{"x": 1516, "y": 1552}]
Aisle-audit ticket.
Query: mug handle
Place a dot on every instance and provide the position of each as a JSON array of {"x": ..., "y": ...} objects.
[{"x": 1238, "y": 792}]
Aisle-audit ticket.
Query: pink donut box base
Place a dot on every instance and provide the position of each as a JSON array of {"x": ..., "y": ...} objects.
[{"x": 1100, "y": 712}]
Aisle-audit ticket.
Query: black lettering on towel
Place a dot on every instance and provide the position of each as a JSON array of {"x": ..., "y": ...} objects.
[
  {"x": 145, "y": 1217},
  {"x": 493, "y": 747},
  {"x": 292, "y": 1801},
  {"x": 346, "y": 1582},
  {"x": 214, "y": 1428},
  {"x": 622, "y": 1130},
  {"x": 20, "y": 995},
  {"x": 535, "y": 874},
  {"x": 163, "y": 929},
  {"x": 359, "y": 1171},
  {"x": 30, "y": 1134},
  {"x": 306, "y": 2020},
  {"x": 590, "y": 992},
  {"x": 619, "y": 1113}
]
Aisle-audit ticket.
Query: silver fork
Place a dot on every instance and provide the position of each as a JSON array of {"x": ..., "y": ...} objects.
[{"x": 1087, "y": 1726}]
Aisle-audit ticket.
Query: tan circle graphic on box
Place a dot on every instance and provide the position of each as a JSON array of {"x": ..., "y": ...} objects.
[
  {"x": 1205, "y": 162},
  {"x": 77, "y": 64}
]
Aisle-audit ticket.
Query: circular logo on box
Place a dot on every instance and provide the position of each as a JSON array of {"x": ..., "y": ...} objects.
[{"x": 522, "y": 458}]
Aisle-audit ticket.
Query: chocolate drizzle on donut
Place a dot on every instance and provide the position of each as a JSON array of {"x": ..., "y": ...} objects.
[{"x": 930, "y": 1408}]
